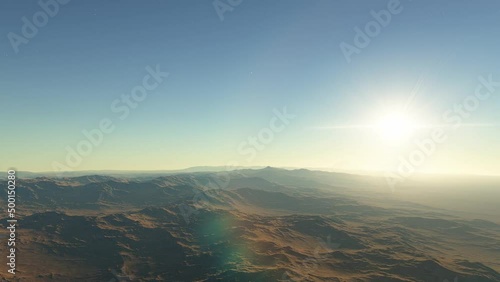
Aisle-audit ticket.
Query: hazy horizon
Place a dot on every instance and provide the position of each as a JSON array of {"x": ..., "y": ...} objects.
[{"x": 209, "y": 169}]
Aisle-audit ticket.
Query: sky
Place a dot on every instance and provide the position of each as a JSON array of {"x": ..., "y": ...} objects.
[{"x": 256, "y": 83}]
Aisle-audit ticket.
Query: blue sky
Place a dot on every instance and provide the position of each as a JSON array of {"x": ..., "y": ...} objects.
[{"x": 226, "y": 77}]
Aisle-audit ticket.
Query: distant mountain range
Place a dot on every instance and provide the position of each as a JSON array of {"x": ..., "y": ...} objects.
[{"x": 131, "y": 173}]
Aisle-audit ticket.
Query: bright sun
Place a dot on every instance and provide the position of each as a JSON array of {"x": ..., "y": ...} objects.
[{"x": 395, "y": 127}]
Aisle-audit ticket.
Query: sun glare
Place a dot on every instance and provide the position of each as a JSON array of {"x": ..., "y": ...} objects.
[{"x": 395, "y": 127}]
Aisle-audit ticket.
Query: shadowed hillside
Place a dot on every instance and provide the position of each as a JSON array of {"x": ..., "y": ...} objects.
[{"x": 246, "y": 225}]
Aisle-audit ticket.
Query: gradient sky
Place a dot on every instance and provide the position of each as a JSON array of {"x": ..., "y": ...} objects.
[{"x": 226, "y": 77}]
